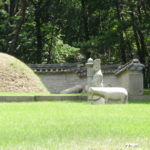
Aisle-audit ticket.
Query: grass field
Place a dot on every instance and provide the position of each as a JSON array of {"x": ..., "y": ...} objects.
[{"x": 74, "y": 126}]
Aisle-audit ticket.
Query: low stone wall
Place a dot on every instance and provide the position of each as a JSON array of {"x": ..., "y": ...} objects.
[
  {"x": 40, "y": 98},
  {"x": 58, "y": 77},
  {"x": 110, "y": 80},
  {"x": 139, "y": 97},
  {"x": 57, "y": 98},
  {"x": 63, "y": 76},
  {"x": 58, "y": 81}
]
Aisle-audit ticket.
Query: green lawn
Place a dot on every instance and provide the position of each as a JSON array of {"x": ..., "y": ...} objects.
[
  {"x": 147, "y": 91},
  {"x": 73, "y": 126}
]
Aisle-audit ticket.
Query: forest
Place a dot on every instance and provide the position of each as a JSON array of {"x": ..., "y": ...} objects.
[{"x": 67, "y": 31}]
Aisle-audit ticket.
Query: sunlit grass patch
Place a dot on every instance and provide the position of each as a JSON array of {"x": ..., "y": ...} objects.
[{"x": 73, "y": 125}]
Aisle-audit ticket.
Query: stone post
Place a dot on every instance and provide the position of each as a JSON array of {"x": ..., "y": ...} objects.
[
  {"x": 90, "y": 72},
  {"x": 132, "y": 78}
]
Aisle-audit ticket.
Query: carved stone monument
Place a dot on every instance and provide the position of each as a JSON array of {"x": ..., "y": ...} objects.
[
  {"x": 97, "y": 94},
  {"x": 90, "y": 73},
  {"x": 109, "y": 94},
  {"x": 97, "y": 80},
  {"x": 131, "y": 78},
  {"x": 94, "y": 79}
]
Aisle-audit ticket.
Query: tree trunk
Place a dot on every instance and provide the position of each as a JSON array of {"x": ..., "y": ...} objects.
[
  {"x": 51, "y": 46},
  {"x": 129, "y": 55},
  {"x": 38, "y": 33},
  {"x": 12, "y": 7},
  {"x": 143, "y": 52},
  {"x": 85, "y": 23},
  {"x": 136, "y": 36},
  {"x": 139, "y": 38},
  {"x": 120, "y": 30},
  {"x": 14, "y": 42},
  {"x": 85, "y": 20}
]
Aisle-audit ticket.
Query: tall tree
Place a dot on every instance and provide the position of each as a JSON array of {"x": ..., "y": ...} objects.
[
  {"x": 19, "y": 23},
  {"x": 120, "y": 31},
  {"x": 37, "y": 14}
]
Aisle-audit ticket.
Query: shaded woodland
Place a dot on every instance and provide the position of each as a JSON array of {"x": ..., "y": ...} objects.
[{"x": 62, "y": 31}]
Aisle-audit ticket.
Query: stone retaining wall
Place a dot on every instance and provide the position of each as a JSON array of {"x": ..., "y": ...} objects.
[
  {"x": 58, "y": 81},
  {"x": 57, "y": 98},
  {"x": 58, "y": 77},
  {"x": 39, "y": 98}
]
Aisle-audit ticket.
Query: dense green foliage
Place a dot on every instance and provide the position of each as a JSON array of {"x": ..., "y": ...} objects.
[
  {"x": 57, "y": 31},
  {"x": 115, "y": 31},
  {"x": 73, "y": 125}
]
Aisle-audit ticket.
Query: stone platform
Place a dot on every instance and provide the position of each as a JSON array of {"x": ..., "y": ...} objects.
[
  {"x": 40, "y": 98},
  {"x": 57, "y": 97}
]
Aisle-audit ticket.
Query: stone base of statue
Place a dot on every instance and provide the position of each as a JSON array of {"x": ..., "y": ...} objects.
[
  {"x": 97, "y": 94},
  {"x": 97, "y": 100}
]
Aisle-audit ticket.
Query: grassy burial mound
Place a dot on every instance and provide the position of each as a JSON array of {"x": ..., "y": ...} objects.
[{"x": 15, "y": 76}]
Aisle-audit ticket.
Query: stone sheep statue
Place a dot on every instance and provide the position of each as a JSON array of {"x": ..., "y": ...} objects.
[{"x": 109, "y": 93}]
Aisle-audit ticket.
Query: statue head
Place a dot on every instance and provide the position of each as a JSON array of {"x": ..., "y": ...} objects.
[{"x": 96, "y": 65}]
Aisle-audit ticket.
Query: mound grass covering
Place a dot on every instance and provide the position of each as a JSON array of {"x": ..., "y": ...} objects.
[
  {"x": 15, "y": 76},
  {"x": 73, "y": 126}
]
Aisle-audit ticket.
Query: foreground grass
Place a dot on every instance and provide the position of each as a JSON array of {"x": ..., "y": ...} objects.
[{"x": 73, "y": 125}]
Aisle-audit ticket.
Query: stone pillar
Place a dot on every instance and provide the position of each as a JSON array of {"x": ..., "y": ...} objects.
[
  {"x": 90, "y": 72},
  {"x": 132, "y": 78}
]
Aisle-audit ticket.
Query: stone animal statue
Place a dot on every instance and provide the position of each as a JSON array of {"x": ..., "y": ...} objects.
[
  {"x": 97, "y": 81},
  {"x": 109, "y": 93}
]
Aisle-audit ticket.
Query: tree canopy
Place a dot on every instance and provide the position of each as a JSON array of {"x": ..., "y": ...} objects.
[{"x": 56, "y": 31}]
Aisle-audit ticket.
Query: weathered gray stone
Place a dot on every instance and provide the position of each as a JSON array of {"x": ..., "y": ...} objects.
[
  {"x": 16, "y": 98},
  {"x": 97, "y": 81},
  {"x": 57, "y": 82},
  {"x": 40, "y": 98},
  {"x": 58, "y": 97},
  {"x": 110, "y": 94},
  {"x": 90, "y": 73},
  {"x": 63, "y": 76},
  {"x": 132, "y": 81},
  {"x": 75, "y": 89},
  {"x": 139, "y": 97},
  {"x": 99, "y": 101}
]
